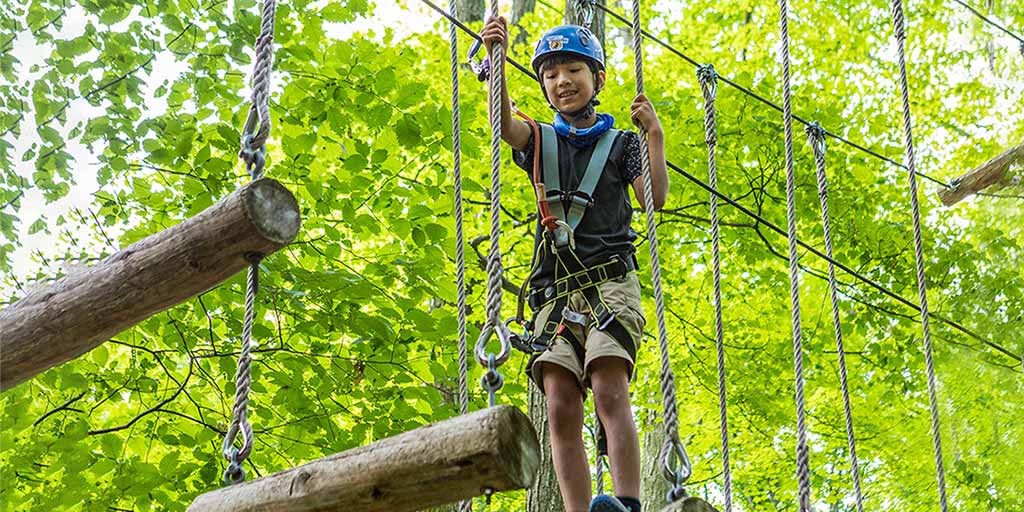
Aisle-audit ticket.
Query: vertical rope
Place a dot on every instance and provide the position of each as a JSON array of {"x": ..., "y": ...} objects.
[
  {"x": 494, "y": 269},
  {"x": 673, "y": 445},
  {"x": 709, "y": 87},
  {"x": 802, "y": 464},
  {"x": 816, "y": 135},
  {"x": 253, "y": 152},
  {"x": 460, "y": 244},
  {"x": 899, "y": 29}
]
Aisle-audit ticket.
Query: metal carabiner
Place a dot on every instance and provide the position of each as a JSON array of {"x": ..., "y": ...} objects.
[{"x": 481, "y": 69}]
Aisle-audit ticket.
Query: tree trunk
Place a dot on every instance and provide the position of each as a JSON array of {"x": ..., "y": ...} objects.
[
  {"x": 653, "y": 485},
  {"x": 520, "y": 8},
  {"x": 468, "y": 11},
  {"x": 59, "y": 322},
  {"x": 453, "y": 460},
  {"x": 544, "y": 495}
]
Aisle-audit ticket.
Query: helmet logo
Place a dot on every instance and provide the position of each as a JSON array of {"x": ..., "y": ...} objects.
[{"x": 555, "y": 43}]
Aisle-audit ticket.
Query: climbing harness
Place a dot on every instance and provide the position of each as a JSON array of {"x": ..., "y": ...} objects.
[
  {"x": 557, "y": 241},
  {"x": 899, "y": 30},
  {"x": 816, "y": 136},
  {"x": 708, "y": 79},
  {"x": 253, "y": 153}
]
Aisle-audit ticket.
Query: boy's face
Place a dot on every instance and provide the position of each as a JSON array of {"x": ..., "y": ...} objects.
[{"x": 570, "y": 85}]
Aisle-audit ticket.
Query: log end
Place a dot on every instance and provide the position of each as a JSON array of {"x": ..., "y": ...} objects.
[
  {"x": 273, "y": 210},
  {"x": 690, "y": 504},
  {"x": 518, "y": 447}
]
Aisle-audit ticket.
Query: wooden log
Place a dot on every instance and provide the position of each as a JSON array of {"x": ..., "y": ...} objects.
[
  {"x": 690, "y": 504},
  {"x": 993, "y": 172},
  {"x": 449, "y": 461},
  {"x": 59, "y": 322}
]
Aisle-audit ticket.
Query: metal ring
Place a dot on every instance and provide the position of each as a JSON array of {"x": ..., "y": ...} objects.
[
  {"x": 675, "y": 494},
  {"x": 675, "y": 450},
  {"x": 235, "y": 472}
]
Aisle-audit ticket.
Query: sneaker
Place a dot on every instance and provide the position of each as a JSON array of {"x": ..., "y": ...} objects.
[{"x": 605, "y": 503}]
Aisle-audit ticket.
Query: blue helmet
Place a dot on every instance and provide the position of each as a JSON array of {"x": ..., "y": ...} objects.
[{"x": 572, "y": 39}]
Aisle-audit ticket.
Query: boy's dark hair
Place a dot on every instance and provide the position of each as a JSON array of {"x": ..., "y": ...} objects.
[{"x": 564, "y": 58}]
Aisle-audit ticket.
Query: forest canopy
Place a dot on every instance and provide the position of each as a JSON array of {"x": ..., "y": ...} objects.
[{"x": 120, "y": 119}]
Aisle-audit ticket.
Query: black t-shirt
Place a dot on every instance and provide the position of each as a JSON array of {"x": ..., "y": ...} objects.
[{"x": 605, "y": 230}]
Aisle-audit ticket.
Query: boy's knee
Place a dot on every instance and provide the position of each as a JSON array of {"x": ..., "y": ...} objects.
[
  {"x": 564, "y": 399},
  {"x": 609, "y": 380}
]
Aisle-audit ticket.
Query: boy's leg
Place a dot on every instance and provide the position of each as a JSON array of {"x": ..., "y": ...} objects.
[
  {"x": 609, "y": 380},
  {"x": 565, "y": 422}
]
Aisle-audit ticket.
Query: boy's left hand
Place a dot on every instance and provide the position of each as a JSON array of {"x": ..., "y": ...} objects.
[{"x": 643, "y": 115}]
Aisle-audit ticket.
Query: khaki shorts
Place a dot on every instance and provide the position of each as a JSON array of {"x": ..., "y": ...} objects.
[{"x": 622, "y": 296}]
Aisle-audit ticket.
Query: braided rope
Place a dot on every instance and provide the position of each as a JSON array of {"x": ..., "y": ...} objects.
[
  {"x": 673, "y": 445},
  {"x": 899, "y": 29},
  {"x": 460, "y": 244},
  {"x": 709, "y": 87},
  {"x": 260, "y": 98},
  {"x": 802, "y": 464},
  {"x": 494, "y": 289},
  {"x": 492, "y": 379},
  {"x": 816, "y": 134},
  {"x": 252, "y": 152}
]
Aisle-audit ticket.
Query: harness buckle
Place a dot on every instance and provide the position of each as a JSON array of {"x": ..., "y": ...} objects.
[
  {"x": 574, "y": 317},
  {"x": 580, "y": 199},
  {"x": 603, "y": 316}
]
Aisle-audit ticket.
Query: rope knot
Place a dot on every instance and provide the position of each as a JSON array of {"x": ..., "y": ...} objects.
[
  {"x": 707, "y": 75},
  {"x": 899, "y": 23},
  {"x": 816, "y": 136},
  {"x": 584, "y": 12}
]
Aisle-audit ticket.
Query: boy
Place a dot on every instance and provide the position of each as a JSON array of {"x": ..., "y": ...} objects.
[{"x": 584, "y": 289}]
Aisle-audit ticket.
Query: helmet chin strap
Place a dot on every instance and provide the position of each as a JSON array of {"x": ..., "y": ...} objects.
[{"x": 576, "y": 115}]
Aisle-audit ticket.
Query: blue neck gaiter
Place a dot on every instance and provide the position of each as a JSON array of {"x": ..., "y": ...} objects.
[{"x": 584, "y": 137}]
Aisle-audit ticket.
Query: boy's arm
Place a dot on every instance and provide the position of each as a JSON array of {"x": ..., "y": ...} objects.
[
  {"x": 644, "y": 117},
  {"x": 513, "y": 131}
]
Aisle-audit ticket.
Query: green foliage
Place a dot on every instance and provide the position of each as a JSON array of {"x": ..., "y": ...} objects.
[{"x": 357, "y": 325}]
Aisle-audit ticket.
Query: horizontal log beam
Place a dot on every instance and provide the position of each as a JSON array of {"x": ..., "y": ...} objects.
[
  {"x": 993, "y": 172},
  {"x": 689, "y": 504},
  {"x": 495, "y": 448},
  {"x": 61, "y": 321}
]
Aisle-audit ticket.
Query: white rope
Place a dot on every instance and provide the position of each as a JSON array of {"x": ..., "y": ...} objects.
[
  {"x": 253, "y": 152},
  {"x": 460, "y": 243},
  {"x": 708, "y": 84},
  {"x": 899, "y": 28},
  {"x": 802, "y": 464},
  {"x": 816, "y": 134},
  {"x": 673, "y": 445}
]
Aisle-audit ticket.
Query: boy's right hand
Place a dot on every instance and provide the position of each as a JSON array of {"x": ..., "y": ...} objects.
[{"x": 495, "y": 31}]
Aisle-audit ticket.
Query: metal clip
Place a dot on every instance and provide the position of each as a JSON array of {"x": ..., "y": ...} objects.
[{"x": 481, "y": 69}]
